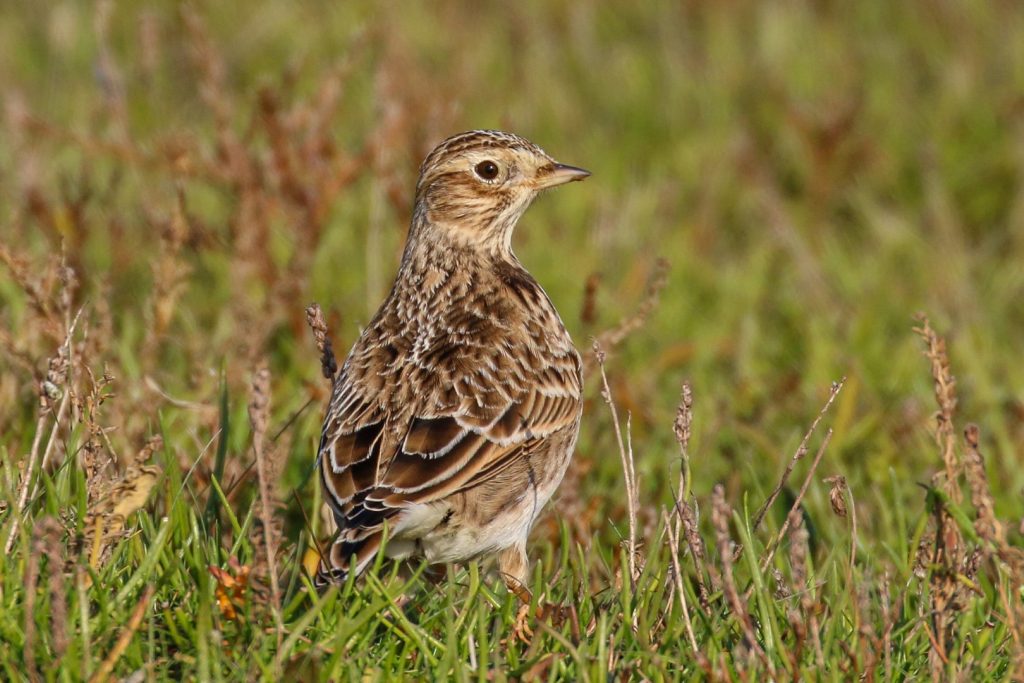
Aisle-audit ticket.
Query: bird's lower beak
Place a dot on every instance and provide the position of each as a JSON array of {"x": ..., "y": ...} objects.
[{"x": 559, "y": 174}]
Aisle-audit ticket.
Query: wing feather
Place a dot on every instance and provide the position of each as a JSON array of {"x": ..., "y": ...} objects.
[{"x": 440, "y": 447}]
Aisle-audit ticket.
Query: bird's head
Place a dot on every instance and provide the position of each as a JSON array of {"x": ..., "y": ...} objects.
[{"x": 474, "y": 186}]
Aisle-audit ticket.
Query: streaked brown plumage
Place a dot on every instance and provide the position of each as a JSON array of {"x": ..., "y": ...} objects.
[{"x": 456, "y": 413}]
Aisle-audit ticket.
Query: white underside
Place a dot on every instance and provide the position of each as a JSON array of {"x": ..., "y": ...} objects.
[{"x": 417, "y": 531}]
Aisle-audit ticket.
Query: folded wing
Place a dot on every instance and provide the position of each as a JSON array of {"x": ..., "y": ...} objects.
[{"x": 377, "y": 459}]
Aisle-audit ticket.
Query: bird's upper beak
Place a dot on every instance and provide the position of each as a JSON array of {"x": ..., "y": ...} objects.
[{"x": 558, "y": 174}]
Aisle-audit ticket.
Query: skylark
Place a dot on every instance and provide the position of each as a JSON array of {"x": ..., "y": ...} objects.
[{"x": 456, "y": 413}]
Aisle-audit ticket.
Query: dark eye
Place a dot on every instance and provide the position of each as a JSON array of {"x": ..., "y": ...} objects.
[{"x": 488, "y": 170}]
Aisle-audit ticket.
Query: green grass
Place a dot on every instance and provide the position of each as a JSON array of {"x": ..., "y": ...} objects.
[{"x": 815, "y": 174}]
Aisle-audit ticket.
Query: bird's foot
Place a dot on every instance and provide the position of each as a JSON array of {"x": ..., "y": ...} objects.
[
  {"x": 522, "y": 630},
  {"x": 547, "y": 612}
]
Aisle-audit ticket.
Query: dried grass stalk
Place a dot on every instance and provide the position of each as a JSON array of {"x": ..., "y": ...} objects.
[
  {"x": 685, "y": 518},
  {"x": 611, "y": 338},
  {"x": 681, "y": 427},
  {"x": 170, "y": 272},
  {"x": 677, "y": 578},
  {"x": 986, "y": 524},
  {"x": 127, "y": 633},
  {"x": 721, "y": 514},
  {"x": 315, "y": 319},
  {"x": 628, "y": 470},
  {"x": 801, "y": 451},
  {"x": 945, "y": 396},
  {"x": 799, "y": 563},
  {"x": 259, "y": 418},
  {"x": 53, "y": 387},
  {"x": 946, "y": 554},
  {"x": 838, "y": 493},
  {"x": 795, "y": 508}
]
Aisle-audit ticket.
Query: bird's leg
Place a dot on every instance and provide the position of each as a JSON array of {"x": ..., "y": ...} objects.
[{"x": 513, "y": 565}]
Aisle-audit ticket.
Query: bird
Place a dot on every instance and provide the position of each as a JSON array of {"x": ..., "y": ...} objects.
[{"x": 456, "y": 413}]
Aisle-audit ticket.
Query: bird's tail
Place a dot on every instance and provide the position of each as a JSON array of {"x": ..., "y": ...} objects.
[{"x": 345, "y": 556}]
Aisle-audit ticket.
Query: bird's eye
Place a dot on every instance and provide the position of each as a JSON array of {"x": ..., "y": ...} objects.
[{"x": 488, "y": 170}]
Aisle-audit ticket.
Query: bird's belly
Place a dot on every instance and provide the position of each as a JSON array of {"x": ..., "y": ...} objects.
[
  {"x": 469, "y": 536},
  {"x": 459, "y": 537},
  {"x": 490, "y": 517},
  {"x": 467, "y": 540}
]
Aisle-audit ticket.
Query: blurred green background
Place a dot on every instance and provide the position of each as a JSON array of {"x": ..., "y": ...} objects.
[{"x": 814, "y": 172}]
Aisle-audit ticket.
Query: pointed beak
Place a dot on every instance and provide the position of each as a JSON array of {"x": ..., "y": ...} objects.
[{"x": 558, "y": 174}]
